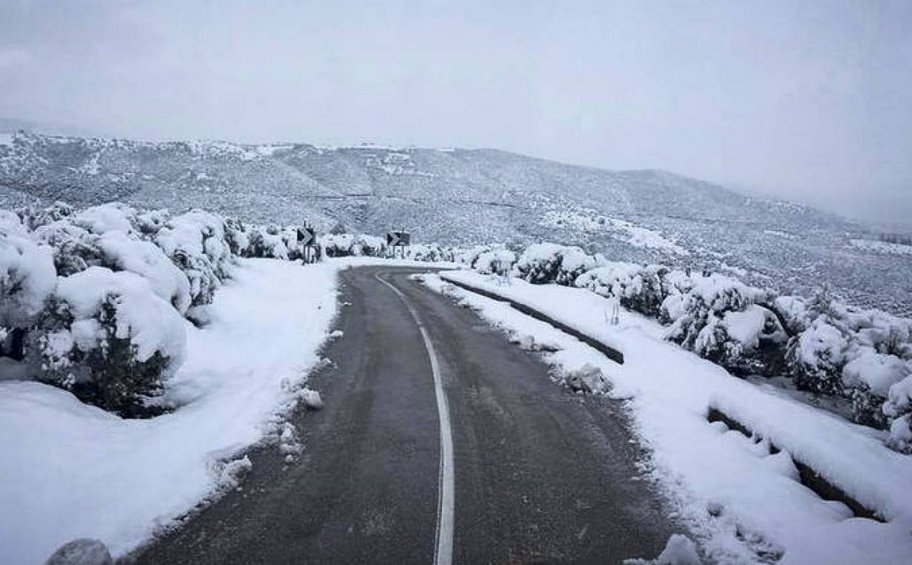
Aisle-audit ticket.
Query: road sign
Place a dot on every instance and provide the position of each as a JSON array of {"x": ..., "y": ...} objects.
[
  {"x": 307, "y": 237},
  {"x": 398, "y": 238}
]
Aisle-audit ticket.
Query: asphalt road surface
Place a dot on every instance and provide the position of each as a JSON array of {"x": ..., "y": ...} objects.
[{"x": 538, "y": 474}]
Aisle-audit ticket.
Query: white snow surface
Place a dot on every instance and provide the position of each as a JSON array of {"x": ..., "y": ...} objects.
[
  {"x": 149, "y": 322},
  {"x": 590, "y": 221},
  {"x": 720, "y": 481},
  {"x": 26, "y": 274},
  {"x": 71, "y": 470},
  {"x": 874, "y": 246}
]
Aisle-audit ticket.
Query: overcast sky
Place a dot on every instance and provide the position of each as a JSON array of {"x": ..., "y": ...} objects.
[{"x": 807, "y": 100}]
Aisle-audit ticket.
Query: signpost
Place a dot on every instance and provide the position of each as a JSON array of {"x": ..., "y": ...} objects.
[
  {"x": 307, "y": 237},
  {"x": 396, "y": 239}
]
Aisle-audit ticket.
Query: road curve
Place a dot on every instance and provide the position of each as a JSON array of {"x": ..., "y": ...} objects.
[{"x": 541, "y": 475}]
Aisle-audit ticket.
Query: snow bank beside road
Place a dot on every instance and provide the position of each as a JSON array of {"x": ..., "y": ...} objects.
[
  {"x": 746, "y": 503},
  {"x": 71, "y": 470}
]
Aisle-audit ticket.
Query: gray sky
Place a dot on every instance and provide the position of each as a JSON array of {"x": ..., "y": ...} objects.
[{"x": 807, "y": 100}]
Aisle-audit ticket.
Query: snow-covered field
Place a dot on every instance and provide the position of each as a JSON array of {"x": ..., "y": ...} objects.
[
  {"x": 875, "y": 246},
  {"x": 70, "y": 470},
  {"x": 743, "y": 503},
  {"x": 592, "y": 222}
]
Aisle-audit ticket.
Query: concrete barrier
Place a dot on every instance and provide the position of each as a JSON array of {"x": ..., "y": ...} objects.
[
  {"x": 807, "y": 475},
  {"x": 609, "y": 351}
]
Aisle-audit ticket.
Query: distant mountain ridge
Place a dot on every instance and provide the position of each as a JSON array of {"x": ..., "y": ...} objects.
[{"x": 463, "y": 197}]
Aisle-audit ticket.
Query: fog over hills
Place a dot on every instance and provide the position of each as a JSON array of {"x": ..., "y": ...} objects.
[{"x": 471, "y": 196}]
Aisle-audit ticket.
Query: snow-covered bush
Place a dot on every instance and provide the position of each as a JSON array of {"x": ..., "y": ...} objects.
[
  {"x": 707, "y": 303},
  {"x": 266, "y": 243},
  {"x": 842, "y": 350},
  {"x": 36, "y": 217},
  {"x": 428, "y": 252},
  {"x": 898, "y": 409},
  {"x": 237, "y": 237},
  {"x": 150, "y": 222},
  {"x": 197, "y": 244},
  {"x": 744, "y": 342},
  {"x": 638, "y": 288},
  {"x": 870, "y": 376},
  {"x": 27, "y": 275},
  {"x": 816, "y": 357},
  {"x": 104, "y": 218},
  {"x": 120, "y": 252},
  {"x": 346, "y": 244},
  {"x": 74, "y": 248},
  {"x": 543, "y": 263},
  {"x": 336, "y": 245},
  {"x": 495, "y": 262},
  {"x": 107, "y": 337},
  {"x": 368, "y": 246}
]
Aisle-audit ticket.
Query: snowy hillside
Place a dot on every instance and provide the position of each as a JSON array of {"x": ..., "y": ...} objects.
[{"x": 468, "y": 196}]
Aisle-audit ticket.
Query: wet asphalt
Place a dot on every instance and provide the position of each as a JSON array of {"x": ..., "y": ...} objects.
[{"x": 542, "y": 475}]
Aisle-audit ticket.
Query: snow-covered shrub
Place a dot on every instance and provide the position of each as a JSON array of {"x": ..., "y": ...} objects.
[
  {"x": 745, "y": 342},
  {"x": 898, "y": 408},
  {"x": 150, "y": 222},
  {"x": 74, "y": 236},
  {"x": 495, "y": 262},
  {"x": 108, "y": 338},
  {"x": 637, "y": 287},
  {"x": 428, "y": 252},
  {"x": 346, "y": 244},
  {"x": 196, "y": 243},
  {"x": 74, "y": 248},
  {"x": 543, "y": 263},
  {"x": 870, "y": 375},
  {"x": 237, "y": 236},
  {"x": 469, "y": 257},
  {"x": 266, "y": 243},
  {"x": 707, "y": 302},
  {"x": 816, "y": 356},
  {"x": 845, "y": 350},
  {"x": 104, "y": 218},
  {"x": 368, "y": 246},
  {"x": 121, "y": 252},
  {"x": 27, "y": 276},
  {"x": 793, "y": 312},
  {"x": 36, "y": 217},
  {"x": 336, "y": 245}
]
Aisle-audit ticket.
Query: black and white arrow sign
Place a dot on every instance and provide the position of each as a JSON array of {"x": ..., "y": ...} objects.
[
  {"x": 306, "y": 236},
  {"x": 397, "y": 238}
]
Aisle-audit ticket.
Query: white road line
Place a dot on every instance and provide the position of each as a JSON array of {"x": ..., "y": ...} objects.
[{"x": 446, "y": 493}]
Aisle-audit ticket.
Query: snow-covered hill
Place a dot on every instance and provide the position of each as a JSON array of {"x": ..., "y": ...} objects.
[{"x": 468, "y": 196}]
